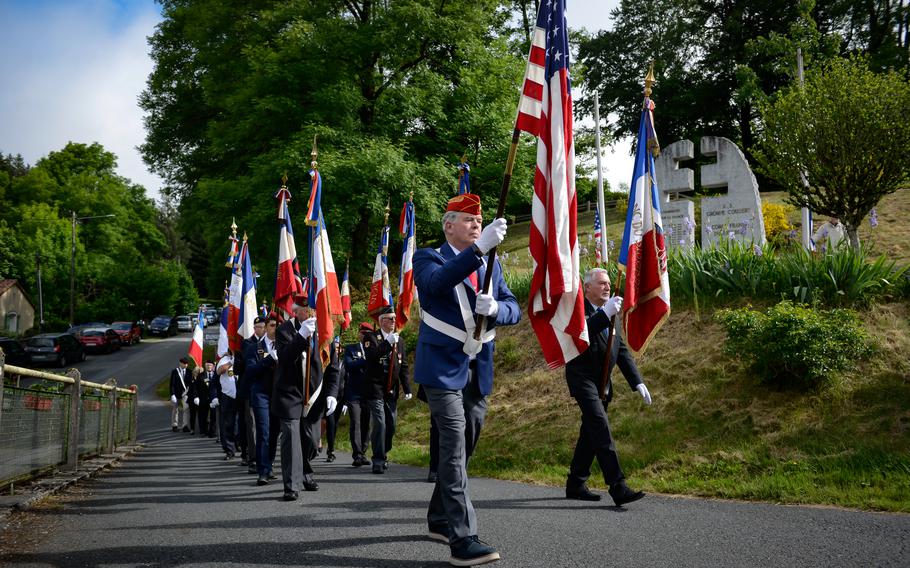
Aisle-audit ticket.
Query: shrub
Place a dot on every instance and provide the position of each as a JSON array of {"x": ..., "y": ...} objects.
[
  {"x": 795, "y": 346},
  {"x": 777, "y": 226}
]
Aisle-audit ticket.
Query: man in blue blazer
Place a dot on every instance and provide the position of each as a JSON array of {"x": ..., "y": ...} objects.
[
  {"x": 261, "y": 359},
  {"x": 456, "y": 370}
]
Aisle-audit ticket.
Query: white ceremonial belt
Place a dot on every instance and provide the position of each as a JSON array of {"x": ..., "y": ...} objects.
[{"x": 450, "y": 330}]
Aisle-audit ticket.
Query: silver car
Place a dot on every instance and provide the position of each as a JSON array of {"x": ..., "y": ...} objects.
[{"x": 184, "y": 323}]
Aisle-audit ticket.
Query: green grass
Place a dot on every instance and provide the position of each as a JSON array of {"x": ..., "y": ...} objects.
[{"x": 713, "y": 430}]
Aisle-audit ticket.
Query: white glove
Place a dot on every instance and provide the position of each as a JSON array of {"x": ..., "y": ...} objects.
[
  {"x": 486, "y": 305},
  {"x": 645, "y": 394},
  {"x": 344, "y": 410},
  {"x": 173, "y": 399},
  {"x": 330, "y": 404},
  {"x": 393, "y": 339},
  {"x": 307, "y": 327},
  {"x": 214, "y": 403},
  {"x": 196, "y": 401},
  {"x": 492, "y": 235},
  {"x": 407, "y": 396},
  {"x": 613, "y": 306}
]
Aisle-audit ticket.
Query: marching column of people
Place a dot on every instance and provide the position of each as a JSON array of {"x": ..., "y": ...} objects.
[{"x": 290, "y": 386}]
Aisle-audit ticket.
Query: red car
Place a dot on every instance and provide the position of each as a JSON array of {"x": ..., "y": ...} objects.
[
  {"x": 129, "y": 331},
  {"x": 100, "y": 339}
]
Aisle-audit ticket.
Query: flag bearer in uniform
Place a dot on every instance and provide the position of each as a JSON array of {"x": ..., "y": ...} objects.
[{"x": 455, "y": 369}]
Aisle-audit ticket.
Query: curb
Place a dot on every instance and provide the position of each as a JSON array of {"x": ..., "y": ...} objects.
[{"x": 54, "y": 483}]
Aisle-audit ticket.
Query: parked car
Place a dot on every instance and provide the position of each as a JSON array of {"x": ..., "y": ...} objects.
[
  {"x": 100, "y": 340},
  {"x": 15, "y": 353},
  {"x": 184, "y": 323},
  {"x": 76, "y": 330},
  {"x": 211, "y": 316},
  {"x": 56, "y": 348},
  {"x": 163, "y": 325},
  {"x": 129, "y": 331}
]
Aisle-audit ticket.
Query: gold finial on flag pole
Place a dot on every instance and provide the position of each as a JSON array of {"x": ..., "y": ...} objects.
[
  {"x": 649, "y": 79},
  {"x": 314, "y": 153},
  {"x": 233, "y": 227}
]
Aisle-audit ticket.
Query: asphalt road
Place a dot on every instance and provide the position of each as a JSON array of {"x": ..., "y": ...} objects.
[{"x": 177, "y": 503}]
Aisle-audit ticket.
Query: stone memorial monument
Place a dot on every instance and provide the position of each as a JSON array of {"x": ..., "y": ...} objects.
[{"x": 736, "y": 215}]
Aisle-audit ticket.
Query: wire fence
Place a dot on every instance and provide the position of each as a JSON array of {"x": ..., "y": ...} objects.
[{"x": 43, "y": 429}]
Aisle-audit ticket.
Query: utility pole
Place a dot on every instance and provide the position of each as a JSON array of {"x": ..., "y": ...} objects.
[
  {"x": 40, "y": 294},
  {"x": 805, "y": 212}
]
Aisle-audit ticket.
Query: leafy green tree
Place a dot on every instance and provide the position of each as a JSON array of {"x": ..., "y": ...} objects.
[
  {"x": 846, "y": 133},
  {"x": 396, "y": 91}
]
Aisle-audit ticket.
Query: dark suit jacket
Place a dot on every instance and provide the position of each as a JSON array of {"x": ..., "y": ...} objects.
[
  {"x": 201, "y": 388},
  {"x": 177, "y": 388},
  {"x": 379, "y": 354},
  {"x": 589, "y": 365},
  {"x": 258, "y": 373},
  {"x": 287, "y": 394}
]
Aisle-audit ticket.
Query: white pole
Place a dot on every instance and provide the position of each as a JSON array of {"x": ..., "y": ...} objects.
[
  {"x": 805, "y": 213},
  {"x": 600, "y": 184}
]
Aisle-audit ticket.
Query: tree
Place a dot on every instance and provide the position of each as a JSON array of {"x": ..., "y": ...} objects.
[
  {"x": 397, "y": 91},
  {"x": 846, "y": 133}
]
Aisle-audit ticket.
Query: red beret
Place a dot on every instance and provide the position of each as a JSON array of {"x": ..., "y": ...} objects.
[
  {"x": 465, "y": 203},
  {"x": 366, "y": 326}
]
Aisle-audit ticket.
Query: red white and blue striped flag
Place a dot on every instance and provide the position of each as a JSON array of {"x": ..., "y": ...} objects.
[
  {"x": 198, "y": 337},
  {"x": 556, "y": 309},
  {"x": 345, "y": 301},
  {"x": 248, "y": 305},
  {"x": 288, "y": 282},
  {"x": 235, "y": 300},
  {"x": 406, "y": 289},
  {"x": 643, "y": 255},
  {"x": 322, "y": 284},
  {"x": 380, "y": 289}
]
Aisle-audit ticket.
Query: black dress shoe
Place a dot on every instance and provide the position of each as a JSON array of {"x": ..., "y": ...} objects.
[
  {"x": 621, "y": 494},
  {"x": 175, "y": 429},
  {"x": 186, "y": 428},
  {"x": 262, "y": 481},
  {"x": 311, "y": 486},
  {"x": 378, "y": 469},
  {"x": 243, "y": 461},
  {"x": 228, "y": 457},
  {"x": 581, "y": 493},
  {"x": 330, "y": 457},
  {"x": 291, "y": 495}
]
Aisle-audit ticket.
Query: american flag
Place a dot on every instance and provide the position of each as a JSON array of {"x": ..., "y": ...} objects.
[
  {"x": 556, "y": 306},
  {"x": 598, "y": 237}
]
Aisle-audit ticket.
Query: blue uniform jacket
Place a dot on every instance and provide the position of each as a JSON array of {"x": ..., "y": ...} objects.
[
  {"x": 258, "y": 373},
  {"x": 440, "y": 360},
  {"x": 355, "y": 369}
]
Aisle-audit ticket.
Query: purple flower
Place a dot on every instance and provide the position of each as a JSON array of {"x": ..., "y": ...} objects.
[
  {"x": 682, "y": 242},
  {"x": 612, "y": 244},
  {"x": 792, "y": 234},
  {"x": 731, "y": 235},
  {"x": 757, "y": 250},
  {"x": 690, "y": 225},
  {"x": 873, "y": 218},
  {"x": 710, "y": 229},
  {"x": 669, "y": 230}
]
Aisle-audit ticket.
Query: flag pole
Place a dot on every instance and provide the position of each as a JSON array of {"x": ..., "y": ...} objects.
[
  {"x": 600, "y": 186},
  {"x": 309, "y": 362},
  {"x": 605, "y": 374}
]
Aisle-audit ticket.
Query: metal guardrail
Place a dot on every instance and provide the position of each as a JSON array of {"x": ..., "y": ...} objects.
[{"x": 42, "y": 430}]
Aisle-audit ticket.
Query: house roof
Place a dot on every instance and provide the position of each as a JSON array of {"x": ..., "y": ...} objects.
[{"x": 9, "y": 283}]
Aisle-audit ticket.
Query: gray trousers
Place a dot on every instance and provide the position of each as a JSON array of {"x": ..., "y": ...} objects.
[
  {"x": 359, "y": 412},
  {"x": 459, "y": 417},
  {"x": 291, "y": 455},
  {"x": 249, "y": 428},
  {"x": 382, "y": 427}
]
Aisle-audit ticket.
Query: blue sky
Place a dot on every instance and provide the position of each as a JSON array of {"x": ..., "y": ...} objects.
[{"x": 73, "y": 71}]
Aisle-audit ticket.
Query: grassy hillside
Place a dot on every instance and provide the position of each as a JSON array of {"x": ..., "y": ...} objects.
[{"x": 713, "y": 430}]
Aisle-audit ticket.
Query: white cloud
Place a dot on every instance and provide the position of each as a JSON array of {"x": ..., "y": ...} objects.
[{"x": 73, "y": 72}]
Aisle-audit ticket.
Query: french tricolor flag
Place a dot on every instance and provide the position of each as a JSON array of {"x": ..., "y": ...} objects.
[
  {"x": 196, "y": 345},
  {"x": 643, "y": 255},
  {"x": 380, "y": 290},
  {"x": 248, "y": 304},
  {"x": 345, "y": 301},
  {"x": 406, "y": 279},
  {"x": 324, "y": 296},
  {"x": 288, "y": 282},
  {"x": 234, "y": 301}
]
